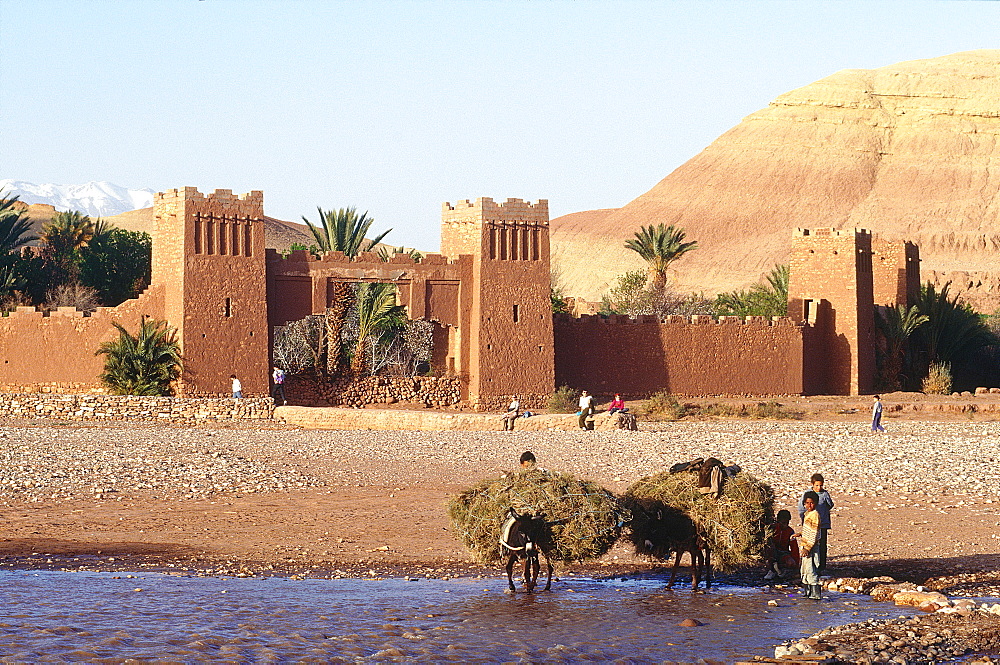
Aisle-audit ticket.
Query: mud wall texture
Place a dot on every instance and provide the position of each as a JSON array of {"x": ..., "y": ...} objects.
[
  {"x": 133, "y": 407},
  {"x": 695, "y": 355},
  {"x": 56, "y": 353}
]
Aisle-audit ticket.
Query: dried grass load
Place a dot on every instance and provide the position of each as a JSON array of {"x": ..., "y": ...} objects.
[
  {"x": 735, "y": 524},
  {"x": 586, "y": 519}
]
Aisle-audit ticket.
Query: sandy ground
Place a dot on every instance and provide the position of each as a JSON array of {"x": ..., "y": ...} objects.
[{"x": 917, "y": 503}]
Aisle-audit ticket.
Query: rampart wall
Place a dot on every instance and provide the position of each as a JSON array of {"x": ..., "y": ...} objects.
[
  {"x": 696, "y": 355},
  {"x": 56, "y": 353}
]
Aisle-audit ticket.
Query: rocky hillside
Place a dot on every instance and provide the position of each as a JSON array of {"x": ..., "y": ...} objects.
[{"x": 904, "y": 150}]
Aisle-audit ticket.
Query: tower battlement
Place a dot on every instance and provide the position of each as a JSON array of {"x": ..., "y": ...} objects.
[
  {"x": 828, "y": 232},
  {"x": 192, "y": 193}
]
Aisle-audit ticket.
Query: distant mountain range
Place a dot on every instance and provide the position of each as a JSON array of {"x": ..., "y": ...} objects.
[{"x": 97, "y": 199}]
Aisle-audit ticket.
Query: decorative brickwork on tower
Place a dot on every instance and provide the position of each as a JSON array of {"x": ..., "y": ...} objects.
[
  {"x": 209, "y": 255},
  {"x": 509, "y": 344},
  {"x": 830, "y": 287}
]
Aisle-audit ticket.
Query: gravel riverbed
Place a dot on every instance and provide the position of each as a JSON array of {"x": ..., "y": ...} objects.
[{"x": 918, "y": 503}]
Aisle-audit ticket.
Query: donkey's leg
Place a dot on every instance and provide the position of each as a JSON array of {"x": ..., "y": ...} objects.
[
  {"x": 696, "y": 565},
  {"x": 673, "y": 573},
  {"x": 529, "y": 580},
  {"x": 548, "y": 564},
  {"x": 510, "y": 572},
  {"x": 708, "y": 568},
  {"x": 534, "y": 570}
]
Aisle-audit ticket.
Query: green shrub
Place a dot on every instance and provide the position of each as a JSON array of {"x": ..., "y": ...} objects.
[
  {"x": 562, "y": 400},
  {"x": 938, "y": 380}
]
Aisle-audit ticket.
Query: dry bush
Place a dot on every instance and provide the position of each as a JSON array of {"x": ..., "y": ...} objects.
[
  {"x": 585, "y": 519},
  {"x": 73, "y": 294},
  {"x": 735, "y": 525},
  {"x": 663, "y": 406},
  {"x": 938, "y": 379},
  {"x": 769, "y": 410}
]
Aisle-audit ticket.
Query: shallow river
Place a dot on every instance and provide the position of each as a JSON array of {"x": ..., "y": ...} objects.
[{"x": 89, "y": 616}]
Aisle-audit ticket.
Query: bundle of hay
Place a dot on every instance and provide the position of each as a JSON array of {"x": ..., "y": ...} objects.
[
  {"x": 586, "y": 519},
  {"x": 735, "y": 525}
]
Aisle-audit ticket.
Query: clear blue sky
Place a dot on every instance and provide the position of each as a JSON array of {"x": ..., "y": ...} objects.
[{"x": 394, "y": 107}]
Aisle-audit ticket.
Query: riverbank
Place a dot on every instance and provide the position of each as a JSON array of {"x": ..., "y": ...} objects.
[{"x": 917, "y": 504}]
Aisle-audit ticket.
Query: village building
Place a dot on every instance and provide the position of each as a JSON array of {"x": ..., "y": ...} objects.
[{"x": 487, "y": 294}]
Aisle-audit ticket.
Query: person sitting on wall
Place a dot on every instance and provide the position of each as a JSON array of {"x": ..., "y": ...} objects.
[
  {"x": 513, "y": 411},
  {"x": 237, "y": 387},
  {"x": 617, "y": 405},
  {"x": 586, "y": 408}
]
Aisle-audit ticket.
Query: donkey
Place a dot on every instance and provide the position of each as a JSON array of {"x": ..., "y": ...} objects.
[
  {"x": 659, "y": 531},
  {"x": 523, "y": 536}
]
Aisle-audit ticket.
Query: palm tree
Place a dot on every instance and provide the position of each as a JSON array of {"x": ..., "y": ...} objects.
[
  {"x": 953, "y": 329},
  {"x": 896, "y": 324},
  {"x": 377, "y": 313},
  {"x": 760, "y": 300},
  {"x": 660, "y": 246},
  {"x": 385, "y": 255},
  {"x": 145, "y": 364},
  {"x": 343, "y": 230},
  {"x": 68, "y": 232},
  {"x": 14, "y": 228},
  {"x": 62, "y": 239}
]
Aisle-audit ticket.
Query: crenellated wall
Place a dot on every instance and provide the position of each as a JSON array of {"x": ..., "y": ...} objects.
[
  {"x": 695, "y": 355},
  {"x": 56, "y": 353}
]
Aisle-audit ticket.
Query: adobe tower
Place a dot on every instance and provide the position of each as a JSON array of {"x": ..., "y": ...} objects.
[
  {"x": 209, "y": 255},
  {"x": 507, "y": 345}
]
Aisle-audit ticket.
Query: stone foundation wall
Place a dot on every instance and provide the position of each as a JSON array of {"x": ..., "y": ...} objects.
[
  {"x": 132, "y": 407},
  {"x": 430, "y": 390}
]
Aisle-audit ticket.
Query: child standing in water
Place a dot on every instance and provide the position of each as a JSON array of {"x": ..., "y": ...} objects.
[
  {"x": 824, "y": 504},
  {"x": 809, "y": 568}
]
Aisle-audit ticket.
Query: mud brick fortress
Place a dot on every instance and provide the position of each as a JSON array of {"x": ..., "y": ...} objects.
[{"x": 487, "y": 294}]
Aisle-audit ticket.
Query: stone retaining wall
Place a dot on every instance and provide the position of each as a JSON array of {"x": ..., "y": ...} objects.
[
  {"x": 428, "y": 390},
  {"x": 132, "y": 407}
]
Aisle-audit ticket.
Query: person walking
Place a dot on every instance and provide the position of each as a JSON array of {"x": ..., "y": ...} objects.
[
  {"x": 278, "y": 376},
  {"x": 877, "y": 415},
  {"x": 237, "y": 387},
  {"x": 586, "y": 408}
]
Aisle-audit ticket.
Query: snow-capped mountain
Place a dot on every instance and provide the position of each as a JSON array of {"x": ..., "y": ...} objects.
[{"x": 97, "y": 199}]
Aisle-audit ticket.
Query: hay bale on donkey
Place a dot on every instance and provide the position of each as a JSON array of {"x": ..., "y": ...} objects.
[
  {"x": 733, "y": 526},
  {"x": 582, "y": 520}
]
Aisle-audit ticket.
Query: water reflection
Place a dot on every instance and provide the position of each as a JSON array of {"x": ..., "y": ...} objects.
[{"x": 88, "y": 616}]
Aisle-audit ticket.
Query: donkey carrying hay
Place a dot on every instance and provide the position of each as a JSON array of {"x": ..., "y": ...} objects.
[
  {"x": 582, "y": 520},
  {"x": 733, "y": 526}
]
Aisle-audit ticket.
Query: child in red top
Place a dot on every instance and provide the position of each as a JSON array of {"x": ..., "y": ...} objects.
[{"x": 781, "y": 551}]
